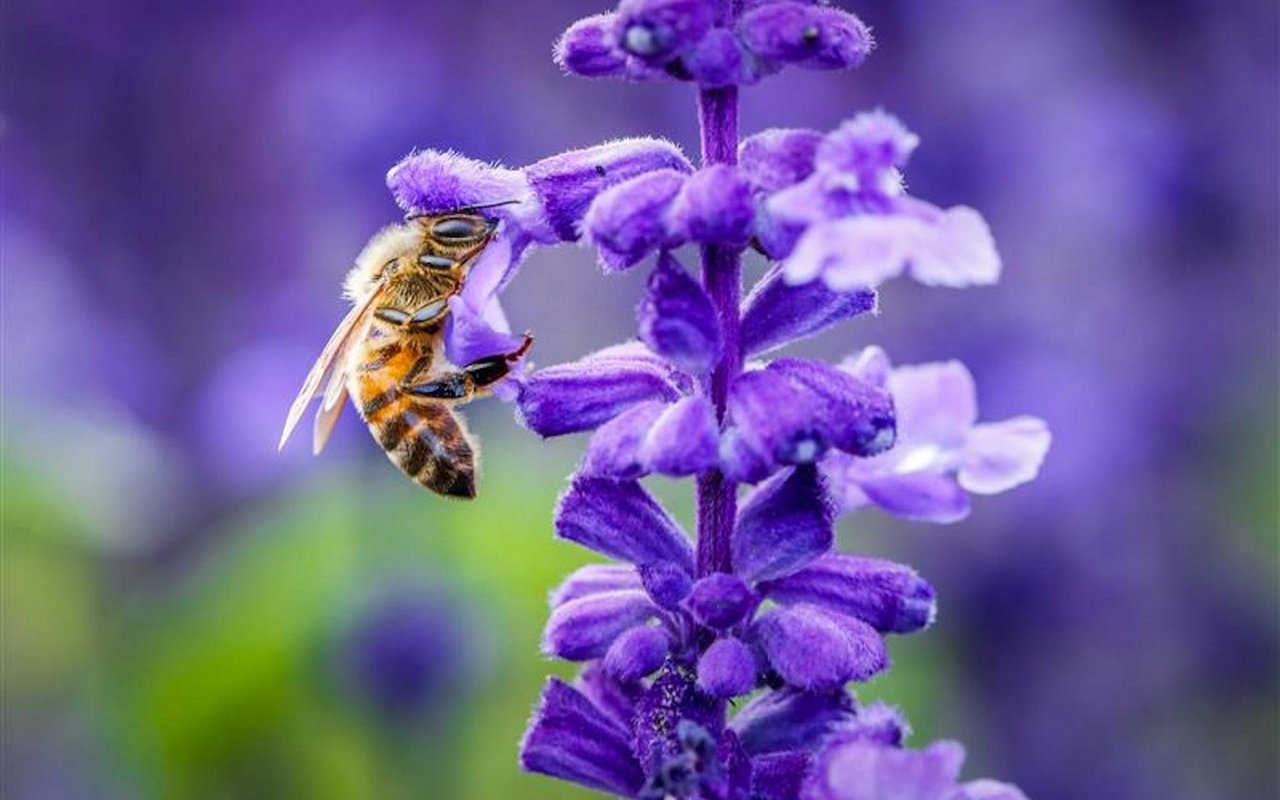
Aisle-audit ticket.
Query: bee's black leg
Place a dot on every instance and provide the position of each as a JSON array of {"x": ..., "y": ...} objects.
[{"x": 463, "y": 384}]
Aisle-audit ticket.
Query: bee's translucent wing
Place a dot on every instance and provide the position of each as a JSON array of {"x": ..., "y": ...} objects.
[
  {"x": 331, "y": 358},
  {"x": 329, "y": 411}
]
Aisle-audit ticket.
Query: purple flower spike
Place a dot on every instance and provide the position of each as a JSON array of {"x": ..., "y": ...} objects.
[
  {"x": 805, "y": 34},
  {"x": 727, "y": 669},
  {"x": 594, "y": 579},
  {"x": 572, "y": 739},
  {"x": 568, "y": 398},
  {"x": 628, "y": 221},
  {"x": 714, "y": 207},
  {"x": 637, "y": 653},
  {"x": 621, "y": 520},
  {"x": 590, "y": 48},
  {"x": 811, "y": 648},
  {"x": 584, "y": 628},
  {"x": 887, "y": 596},
  {"x": 942, "y": 451},
  {"x": 675, "y": 634},
  {"x": 677, "y": 320},
  {"x": 783, "y": 525},
  {"x": 567, "y": 183},
  {"x": 789, "y": 719},
  {"x": 776, "y": 313},
  {"x": 656, "y": 31},
  {"x": 720, "y": 601}
]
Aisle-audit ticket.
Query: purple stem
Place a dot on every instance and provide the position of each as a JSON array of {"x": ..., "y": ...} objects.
[{"x": 722, "y": 277}]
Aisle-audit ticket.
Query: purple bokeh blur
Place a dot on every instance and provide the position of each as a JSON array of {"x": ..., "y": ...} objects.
[{"x": 184, "y": 184}]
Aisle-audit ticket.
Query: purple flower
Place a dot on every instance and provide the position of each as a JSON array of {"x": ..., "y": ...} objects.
[
  {"x": 854, "y": 769},
  {"x": 835, "y": 207},
  {"x": 676, "y": 628},
  {"x": 943, "y": 453},
  {"x": 695, "y": 40}
]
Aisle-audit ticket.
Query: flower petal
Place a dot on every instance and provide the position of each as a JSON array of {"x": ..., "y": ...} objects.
[
  {"x": 770, "y": 422},
  {"x": 922, "y": 496},
  {"x": 714, "y": 207},
  {"x": 871, "y": 364},
  {"x": 877, "y": 723},
  {"x": 868, "y": 148},
  {"x": 998, "y": 456},
  {"x": 810, "y": 648},
  {"x": 584, "y": 394},
  {"x": 719, "y": 60},
  {"x": 567, "y": 183},
  {"x": 667, "y": 584},
  {"x": 590, "y": 48},
  {"x": 809, "y": 35},
  {"x": 682, "y": 440},
  {"x": 614, "y": 450},
  {"x": 855, "y": 252},
  {"x": 677, "y": 319},
  {"x": 936, "y": 403},
  {"x": 637, "y": 653},
  {"x": 783, "y": 525},
  {"x": 779, "y": 776},
  {"x": 776, "y": 313},
  {"x": 606, "y": 693},
  {"x": 991, "y": 790},
  {"x": 720, "y": 601},
  {"x": 888, "y": 596},
  {"x": 621, "y": 520},
  {"x": 855, "y": 416},
  {"x": 571, "y": 739},
  {"x": 789, "y": 719},
  {"x": 626, "y": 222},
  {"x": 594, "y": 579},
  {"x": 958, "y": 251},
  {"x": 865, "y": 771},
  {"x": 777, "y": 158},
  {"x": 583, "y": 628},
  {"x": 727, "y": 669},
  {"x": 435, "y": 181},
  {"x": 657, "y": 31}
]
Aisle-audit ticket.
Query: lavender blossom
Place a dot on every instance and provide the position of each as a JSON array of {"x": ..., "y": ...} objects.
[
  {"x": 943, "y": 453},
  {"x": 678, "y": 629}
]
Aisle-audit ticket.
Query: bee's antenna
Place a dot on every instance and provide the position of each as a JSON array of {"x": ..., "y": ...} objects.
[
  {"x": 483, "y": 206},
  {"x": 461, "y": 210}
]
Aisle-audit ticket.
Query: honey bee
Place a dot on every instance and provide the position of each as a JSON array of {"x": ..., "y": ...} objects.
[{"x": 388, "y": 353}]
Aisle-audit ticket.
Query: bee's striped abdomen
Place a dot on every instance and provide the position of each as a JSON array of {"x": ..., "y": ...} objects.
[{"x": 426, "y": 440}]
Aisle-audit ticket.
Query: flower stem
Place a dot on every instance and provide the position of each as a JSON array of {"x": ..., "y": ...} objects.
[{"x": 722, "y": 277}]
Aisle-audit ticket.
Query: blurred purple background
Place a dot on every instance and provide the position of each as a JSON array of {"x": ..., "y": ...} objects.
[{"x": 185, "y": 183}]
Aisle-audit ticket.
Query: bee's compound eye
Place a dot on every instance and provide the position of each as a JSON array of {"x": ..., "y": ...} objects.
[
  {"x": 461, "y": 229},
  {"x": 436, "y": 262}
]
